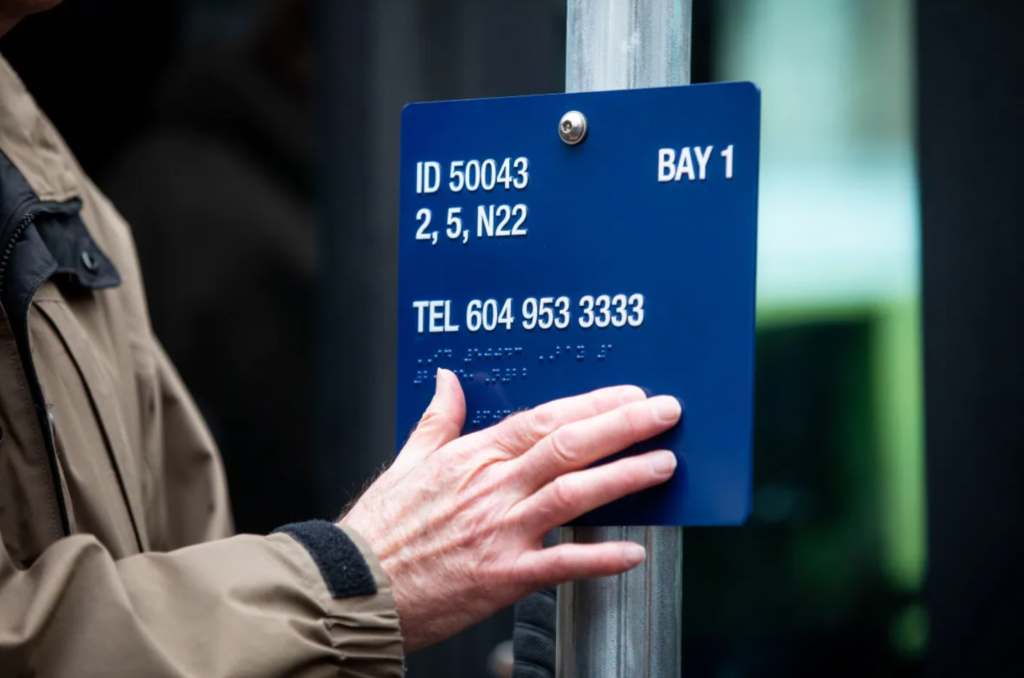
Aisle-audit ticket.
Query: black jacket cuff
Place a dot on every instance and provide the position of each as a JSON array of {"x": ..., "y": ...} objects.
[{"x": 340, "y": 562}]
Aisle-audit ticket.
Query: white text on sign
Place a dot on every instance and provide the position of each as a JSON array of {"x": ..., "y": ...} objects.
[
  {"x": 690, "y": 162},
  {"x": 541, "y": 313},
  {"x": 497, "y": 220},
  {"x": 508, "y": 220},
  {"x": 474, "y": 175}
]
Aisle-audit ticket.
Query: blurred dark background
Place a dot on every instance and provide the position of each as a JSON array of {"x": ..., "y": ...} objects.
[{"x": 253, "y": 146}]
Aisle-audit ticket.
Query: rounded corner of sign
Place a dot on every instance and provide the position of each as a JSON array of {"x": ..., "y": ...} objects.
[
  {"x": 408, "y": 107},
  {"x": 745, "y": 512},
  {"x": 752, "y": 86}
]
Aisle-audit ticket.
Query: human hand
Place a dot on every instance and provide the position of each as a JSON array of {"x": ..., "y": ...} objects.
[{"x": 457, "y": 523}]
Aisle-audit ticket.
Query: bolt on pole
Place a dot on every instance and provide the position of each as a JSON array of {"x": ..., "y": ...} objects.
[{"x": 630, "y": 625}]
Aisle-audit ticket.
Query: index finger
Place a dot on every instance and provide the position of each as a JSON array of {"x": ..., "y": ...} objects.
[{"x": 521, "y": 431}]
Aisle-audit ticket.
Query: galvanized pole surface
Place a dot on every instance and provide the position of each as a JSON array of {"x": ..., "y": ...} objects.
[{"x": 629, "y": 625}]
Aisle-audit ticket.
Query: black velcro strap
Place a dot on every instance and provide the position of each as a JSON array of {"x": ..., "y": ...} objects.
[{"x": 341, "y": 563}]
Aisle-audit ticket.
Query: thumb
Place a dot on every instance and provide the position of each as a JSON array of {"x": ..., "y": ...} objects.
[{"x": 443, "y": 420}]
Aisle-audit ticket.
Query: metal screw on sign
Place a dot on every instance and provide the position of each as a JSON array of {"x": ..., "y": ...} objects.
[{"x": 573, "y": 127}]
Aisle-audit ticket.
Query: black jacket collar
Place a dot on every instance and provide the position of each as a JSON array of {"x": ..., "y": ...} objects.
[{"x": 44, "y": 239}]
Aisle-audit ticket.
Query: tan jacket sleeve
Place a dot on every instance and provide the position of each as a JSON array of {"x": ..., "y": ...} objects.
[
  {"x": 243, "y": 606},
  {"x": 310, "y": 601}
]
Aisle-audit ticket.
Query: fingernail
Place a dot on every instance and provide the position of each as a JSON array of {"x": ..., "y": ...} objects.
[
  {"x": 633, "y": 555},
  {"x": 437, "y": 383},
  {"x": 438, "y": 386},
  {"x": 631, "y": 394},
  {"x": 663, "y": 463},
  {"x": 666, "y": 409}
]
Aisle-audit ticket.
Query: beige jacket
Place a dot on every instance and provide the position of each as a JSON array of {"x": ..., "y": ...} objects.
[{"x": 115, "y": 551}]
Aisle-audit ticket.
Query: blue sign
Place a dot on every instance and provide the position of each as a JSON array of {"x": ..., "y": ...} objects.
[{"x": 536, "y": 269}]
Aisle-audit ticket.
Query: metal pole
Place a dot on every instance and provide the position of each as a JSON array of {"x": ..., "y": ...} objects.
[{"x": 630, "y": 625}]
